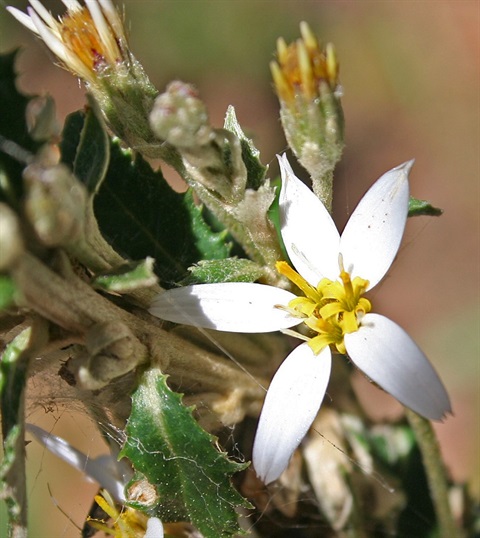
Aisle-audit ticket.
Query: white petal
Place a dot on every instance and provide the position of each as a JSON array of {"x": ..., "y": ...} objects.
[
  {"x": 372, "y": 236},
  {"x": 113, "y": 18},
  {"x": 308, "y": 231},
  {"x": 102, "y": 469},
  {"x": 292, "y": 403},
  {"x": 23, "y": 18},
  {"x": 103, "y": 30},
  {"x": 50, "y": 39},
  {"x": 72, "y": 5},
  {"x": 154, "y": 528},
  {"x": 388, "y": 356},
  {"x": 53, "y": 42},
  {"x": 44, "y": 13},
  {"x": 231, "y": 306}
]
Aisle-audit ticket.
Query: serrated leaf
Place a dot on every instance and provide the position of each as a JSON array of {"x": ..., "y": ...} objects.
[
  {"x": 211, "y": 245},
  {"x": 127, "y": 278},
  {"x": 165, "y": 443},
  {"x": 228, "y": 270},
  {"x": 13, "y": 131},
  {"x": 251, "y": 156},
  {"x": 7, "y": 291},
  {"x": 141, "y": 215},
  {"x": 417, "y": 208}
]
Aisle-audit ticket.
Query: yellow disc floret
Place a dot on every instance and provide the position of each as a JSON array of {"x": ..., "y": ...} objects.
[
  {"x": 332, "y": 309},
  {"x": 302, "y": 66}
]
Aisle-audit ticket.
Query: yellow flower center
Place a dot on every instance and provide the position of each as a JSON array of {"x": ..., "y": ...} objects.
[
  {"x": 126, "y": 522},
  {"x": 331, "y": 309}
]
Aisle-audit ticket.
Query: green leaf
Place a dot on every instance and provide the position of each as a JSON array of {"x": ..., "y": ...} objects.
[
  {"x": 228, "y": 270},
  {"x": 137, "y": 211},
  {"x": 127, "y": 278},
  {"x": 13, "y": 370},
  {"x": 392, "y": 443},
  {"x": 417, "y": 208},
  {"x": 7, "y": 291},
  {"x": 93, "y": 151},
  {"x": 71, "y": 134},
  {"x": 10, "y": 444},
  {"x": 13, "y": 377},
  {"x": 251, "y": 156},
  {"x": 192, "y": 478},
  {"x": 211, "y": 245},
  {"x": 16, "y": 145}
]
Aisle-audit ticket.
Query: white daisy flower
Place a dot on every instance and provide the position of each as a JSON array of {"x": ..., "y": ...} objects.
[
  {"x": 332, "y": 272},
  {"x": 112, "y": 475}
]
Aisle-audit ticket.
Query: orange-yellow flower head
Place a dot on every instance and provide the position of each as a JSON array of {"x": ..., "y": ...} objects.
[
  {"x": 87, "y": 39},
  {"x": 306, "y": 81},
  {"x": 303, "y": 66}
]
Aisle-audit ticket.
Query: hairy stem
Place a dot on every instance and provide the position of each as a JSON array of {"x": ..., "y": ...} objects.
[{"x": 436, "y": 475}]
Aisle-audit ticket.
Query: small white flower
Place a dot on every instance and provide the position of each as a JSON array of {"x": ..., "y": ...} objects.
[
  {"x": 86, "y": 39},
  {"x": 112, "y": 475},
  {"x": 333, "y": 272}
]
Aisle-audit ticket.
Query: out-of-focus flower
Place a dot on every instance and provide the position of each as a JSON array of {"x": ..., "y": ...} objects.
[
  {"x": 332, "y": 308},
  {"x": 112, "y": 475},
  {"x": 306, "y": 81},
  {"x": 87, "y": 39},
  {"x": 90, "y": 41}
]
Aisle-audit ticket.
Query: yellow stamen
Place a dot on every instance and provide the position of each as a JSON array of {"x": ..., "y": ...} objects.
[
  {"x": 127, "y": 523},
  {"x": 284, "y": 269}
]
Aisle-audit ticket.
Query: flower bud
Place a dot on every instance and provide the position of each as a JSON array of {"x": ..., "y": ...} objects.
[
  {"x": 41, "y": 120},
  {"x": 180, "y": 117},
  {"x": 306, "y": 82},
  {"x": 11, "y": 243},
  {"x": 54, "y": 203}
]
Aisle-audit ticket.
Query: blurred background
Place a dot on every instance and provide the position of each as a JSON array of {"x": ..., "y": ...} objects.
[{"x": 411, "y": 78}]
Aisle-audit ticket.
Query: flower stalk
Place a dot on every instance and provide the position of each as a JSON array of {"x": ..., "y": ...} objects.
[{"x": 436, "y": 474}]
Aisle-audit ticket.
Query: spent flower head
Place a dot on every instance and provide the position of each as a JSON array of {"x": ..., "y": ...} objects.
[{"x": 332, "y": 273}]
